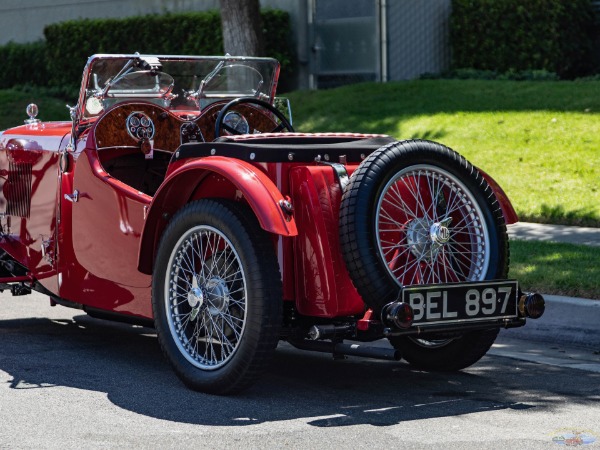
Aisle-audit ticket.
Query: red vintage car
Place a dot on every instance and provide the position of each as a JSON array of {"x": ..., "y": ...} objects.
[{"x": 180, "y": 197}]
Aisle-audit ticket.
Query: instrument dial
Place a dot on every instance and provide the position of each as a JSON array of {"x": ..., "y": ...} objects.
[
  {"x": 236, "y": 122},
  {"x": 139, "y": 126}
]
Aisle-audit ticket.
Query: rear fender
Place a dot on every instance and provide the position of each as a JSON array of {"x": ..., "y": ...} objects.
[
  {"x": 509, "y": 213},
  {"x": 184, "y": 184}
]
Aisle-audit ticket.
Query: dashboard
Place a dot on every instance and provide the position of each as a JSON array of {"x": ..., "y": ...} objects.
[{"x": 135, "y": 124}]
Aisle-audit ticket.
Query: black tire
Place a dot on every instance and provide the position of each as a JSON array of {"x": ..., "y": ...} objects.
[
  {"x": 222, "y": 333},
  {"x": 416, "y": 212},
  {"x": 445, "y": 354}
]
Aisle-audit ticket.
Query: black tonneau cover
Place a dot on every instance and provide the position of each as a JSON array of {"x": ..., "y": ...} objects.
[{"x": 306, "y": 148}]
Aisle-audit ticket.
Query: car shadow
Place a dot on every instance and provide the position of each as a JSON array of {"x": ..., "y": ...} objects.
[{"x": 126, "y": 363}]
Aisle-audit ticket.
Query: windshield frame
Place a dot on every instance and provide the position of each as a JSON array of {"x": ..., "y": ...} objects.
[{"x": 267, "y": 90}]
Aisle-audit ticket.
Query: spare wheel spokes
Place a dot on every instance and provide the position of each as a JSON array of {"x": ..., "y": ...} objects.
[{"x": 427, "y": 212}]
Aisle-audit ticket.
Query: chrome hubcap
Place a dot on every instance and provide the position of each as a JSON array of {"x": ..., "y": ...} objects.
[
  {"x": 439, "y": 232},
  {"x": 218, "y": 296},
  {"x": 418, "y": 238},
  {"x": 195, "y": 297},
  {"x": 426, "y": 239}
]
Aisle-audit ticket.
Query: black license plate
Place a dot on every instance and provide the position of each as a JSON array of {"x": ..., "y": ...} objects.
[{"x": 462, "y": 302}]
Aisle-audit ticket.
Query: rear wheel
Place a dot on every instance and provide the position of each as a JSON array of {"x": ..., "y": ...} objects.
[
  {"x": 416, "y": 212},
  {"x": 216, "y": 296},
  {"x": 444, "y": 353}
]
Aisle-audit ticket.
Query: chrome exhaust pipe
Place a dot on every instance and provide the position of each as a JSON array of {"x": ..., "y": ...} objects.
[
  {"x": 318, "y": 332},
  {"x": 354, "y": 349}
]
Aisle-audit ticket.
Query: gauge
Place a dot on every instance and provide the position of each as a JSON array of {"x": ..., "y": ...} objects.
[
  {"x": 236, "y": 122},
  {"x": 140, "y": 126}
]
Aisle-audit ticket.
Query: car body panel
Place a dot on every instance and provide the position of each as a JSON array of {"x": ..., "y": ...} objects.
[
  {"x": 324, "y": 288},
  {"x": 106, "y": 226},
  {"x": 195, "y": 178},
  {"x": 28, "y": 195}
]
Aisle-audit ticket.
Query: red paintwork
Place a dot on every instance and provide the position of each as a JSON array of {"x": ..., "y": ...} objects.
[
  {"x": 324, "y": 288},
  {"x": 364, "y": 323},
  {"x": 185, "y": 180},
  {"x": 35, "y": 147},
  {"x": 15, "y": 279},
  {"x": 106, "y": 225},
  {"x": 42, "y": 133}
]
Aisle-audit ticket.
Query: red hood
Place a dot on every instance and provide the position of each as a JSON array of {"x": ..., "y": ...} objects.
[{"x": 45, "y": 135}]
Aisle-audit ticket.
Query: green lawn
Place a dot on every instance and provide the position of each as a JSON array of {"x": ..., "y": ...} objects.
[
  {"x": 539, "y": 140},
  {"x": 555, "y": 268}
]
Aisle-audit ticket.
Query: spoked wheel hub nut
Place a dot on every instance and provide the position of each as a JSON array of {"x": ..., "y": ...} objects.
[{"x": 426, "y": 238}]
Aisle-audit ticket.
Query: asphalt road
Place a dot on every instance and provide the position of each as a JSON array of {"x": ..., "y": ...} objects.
[{"x": 69, "y": 381}]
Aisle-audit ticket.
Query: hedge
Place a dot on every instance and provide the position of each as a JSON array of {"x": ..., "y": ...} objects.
[
  {"x": 23, "y": 64},
  {"x": 59, "y": 61},
  {"x": 520, "y": 35}
]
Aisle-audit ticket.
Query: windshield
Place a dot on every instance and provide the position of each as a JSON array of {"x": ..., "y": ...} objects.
[{"x": 174, "y": 82}]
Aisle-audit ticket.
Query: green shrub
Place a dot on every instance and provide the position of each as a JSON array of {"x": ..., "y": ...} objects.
[
  {"x": 276, "y": 31},
  {"x": 23, "y": 64},
  {"x": 523, "y": 35},
  {"x": 69, "y": 44}
]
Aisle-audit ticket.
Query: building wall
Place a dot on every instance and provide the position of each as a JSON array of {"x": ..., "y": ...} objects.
[{"x": 24, "y": 20}]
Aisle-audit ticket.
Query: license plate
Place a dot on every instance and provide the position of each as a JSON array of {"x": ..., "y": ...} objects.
[{"x": 462, "y": 302}]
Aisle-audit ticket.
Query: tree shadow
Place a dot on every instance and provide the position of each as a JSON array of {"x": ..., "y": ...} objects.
[
  {"x": 431, "y": 135},
  {"x": 125, "y": 362}
]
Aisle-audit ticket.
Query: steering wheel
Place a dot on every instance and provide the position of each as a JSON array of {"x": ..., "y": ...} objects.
[{"x": 220, "y": 123}]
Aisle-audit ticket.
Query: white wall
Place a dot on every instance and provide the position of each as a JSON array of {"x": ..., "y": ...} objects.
[{"x": 24, "y": 20}]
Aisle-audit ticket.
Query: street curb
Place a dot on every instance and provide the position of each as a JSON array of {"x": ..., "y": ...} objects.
[
  {"x": 525, "y": 231},
  {"x": 577, "y": 301}
]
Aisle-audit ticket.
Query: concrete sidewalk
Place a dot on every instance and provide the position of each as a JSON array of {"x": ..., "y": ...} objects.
[
  {"x": 568, "y": 320},
  {"x": 554, "y": 233}
]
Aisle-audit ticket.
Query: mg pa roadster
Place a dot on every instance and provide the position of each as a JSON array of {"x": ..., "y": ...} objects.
[{"x": 180, "y": 197}]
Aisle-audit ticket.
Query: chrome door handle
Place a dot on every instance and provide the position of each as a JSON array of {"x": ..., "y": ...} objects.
[{"x": 74, "y": 197}]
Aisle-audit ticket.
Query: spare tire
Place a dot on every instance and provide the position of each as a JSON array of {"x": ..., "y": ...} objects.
[{"x": 416, "y": 212}]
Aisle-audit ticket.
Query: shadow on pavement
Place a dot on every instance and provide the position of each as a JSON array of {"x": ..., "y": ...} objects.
[{"x": 126, "y": 363}]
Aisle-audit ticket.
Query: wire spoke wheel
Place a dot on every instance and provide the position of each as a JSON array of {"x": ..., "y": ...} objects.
[
  {"x": 217, "y": 296},
  {"x": 206, "y": 292}
]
